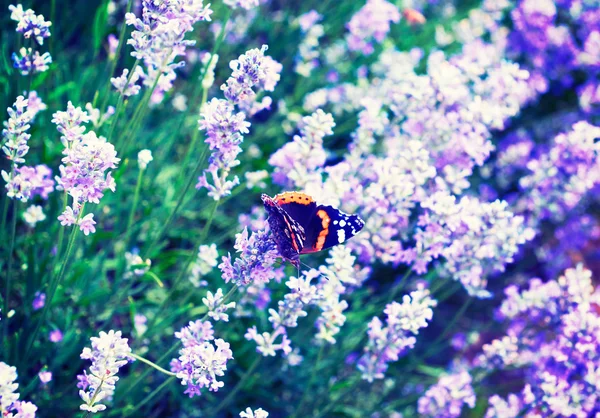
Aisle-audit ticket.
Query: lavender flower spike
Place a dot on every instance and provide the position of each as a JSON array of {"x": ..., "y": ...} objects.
[{"x": 108, "y": 354}]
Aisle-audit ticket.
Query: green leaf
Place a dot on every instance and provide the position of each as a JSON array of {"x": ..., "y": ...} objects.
[{"x": 99, "y": 28}]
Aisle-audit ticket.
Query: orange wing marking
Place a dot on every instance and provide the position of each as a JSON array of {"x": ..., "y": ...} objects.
[
  {"x": 325, "y": 220},
  {"x": 293, "y": 197}
]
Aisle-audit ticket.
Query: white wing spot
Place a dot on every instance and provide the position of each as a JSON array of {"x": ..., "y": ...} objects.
[
  {"x": 342, "y": 223},
  {"x": 341, "y": 235},
  {"x": 335, "y": 222}
]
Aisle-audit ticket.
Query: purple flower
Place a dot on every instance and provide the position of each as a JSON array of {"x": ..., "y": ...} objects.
[
  {"x": 202, "y": 359},
  {"x": 216, "y": 307},
  {"x": 447, "y": 397},
  {"x": 29, "y": 61},
  {"x": 128, "y": 86},
  {"x": 266, "y": 342},
  {"x": 257, "y": 254},
  {"x": 500, "y": 408},
  {"x": 296, "y": 163},
  {"x": 388, "y": 343},
  {"x": 251, "y": 70},
  {"x": 28, "y": 182},
  {"x": 559, "y": 179},
  {"x": 84, "y": 173},
  {"x": 39, "y": 301},
  {"x": 29, "y": 24},
  {"x": 371, "y": 23},
  {"x": 476, "y": 239},
  {"x": 158, "y": 39},
  {"x": 15, "y": 131},
  {"x": 56, "y": 336},
  {"x": 10, "y": 406},
  {"x": 108, "y": 354}
]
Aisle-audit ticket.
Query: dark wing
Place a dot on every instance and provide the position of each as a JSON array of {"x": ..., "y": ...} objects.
[
  {"x": 299, "y": 206},
  {"x": 329, "y": 227}
]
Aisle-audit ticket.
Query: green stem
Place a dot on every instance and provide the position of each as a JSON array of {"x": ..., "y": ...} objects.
[
  {"x": 120, "y": 102},
  {"x": 167, "y": 224},
  {"x": 149, "y": 363},
  {"x": 310, "y": 382},
  {"x": 185, "y": 269},
  {"x": 53, "y": 286},
  {"x": 61, "y": 230},
  {"x": 399, "y": 287},
  {"x": 238, "y": 386},
  {"x": 434, "y": 346},
  {"x": 136, "y": 198},
  {"x": 151, "y": 395},
  {"x": 4, "y": 214},
  {"x": 96, "y": 392},
  {"x": 9, "y": 271},
  {"x": 116, "y": 58}
]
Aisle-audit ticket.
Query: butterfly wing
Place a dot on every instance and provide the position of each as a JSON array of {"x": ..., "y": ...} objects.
[
  {"x": 328, "y": 227},
  {"x": 299, "y": 206}
]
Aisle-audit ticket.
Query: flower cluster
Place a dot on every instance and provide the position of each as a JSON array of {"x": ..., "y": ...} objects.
[
  {"x": 205, "y": 262},
  {"x": 308, "y": 50},
  {"x": 371, "y": 23},
  {"x": 258, "y": 253},
  {"x": 10, "y": 405},
  {"x": 108, "y": 354},
  {"x": 553, "y": 337},
  {"x": 24, "y": 182},
  {"x": 83, "y": 174},
  {"x": 476, "y": 239},
  {"x": 388, "y": 343},
  {"x": 559, "y": 179},
  {"x": 296, "y": 163},
  {"x": 224, "y": 126},
  {"x": 447, "y": 397},
  {"x": 33, "y": 26},
  {"x": 202, "y": 359},
  {"x": 216, "y": 307},
  {"x": 257, "y": 413},
  {"x": 158, "y": 39}
]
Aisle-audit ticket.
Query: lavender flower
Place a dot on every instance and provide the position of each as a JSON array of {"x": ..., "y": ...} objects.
[
  {"x": 86, "y": 160},
  {"x": 500, "y": 408},
  {"x": 29, "y": 24},
  {"x": 108, "y": 354},
  {"x": 258, "y": 253},
  {"x": 266, "y": 342},
  {"x": 204, "y": 264},
  {"x": 202, "y": 359},
  {"x": 296, "y": 162},
  {"x": 127, "y": 85},
  {"x": 476, "y": 239},
  {"x": 10, "y": 406},
  {"x": 389, "y": 343},
  {"x": 38, "y": 301},
  {"x": 216, "y": 307},
  {"x": 224, "y": 127},
  {"x": 15, "y": 131},
  {"x": 55, "y": 336},
  {"x": 560, "y": 179},
  {"x": 371, "y": 23},
  {"x": 28, "y": 182},
  {"x": 447, "y": 397},
  {"x": 159, "y": 38},
  {"x": 29, "y": 61},
  {"x": 257, "y": 413}
]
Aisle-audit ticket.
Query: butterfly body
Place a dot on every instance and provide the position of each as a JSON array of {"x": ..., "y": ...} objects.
[{"x": 301, "y": 226}]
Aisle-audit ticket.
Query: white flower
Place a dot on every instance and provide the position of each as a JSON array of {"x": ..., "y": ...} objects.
[
  {"x": 33, "y": 215},
  {"x": 144, "y": 158}
]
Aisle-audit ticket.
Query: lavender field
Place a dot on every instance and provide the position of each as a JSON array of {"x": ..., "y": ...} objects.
[{"x": 281, "y": 208}]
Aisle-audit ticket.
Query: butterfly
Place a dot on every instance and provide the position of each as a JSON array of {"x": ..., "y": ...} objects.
[{"x": 301, "y": 226}]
